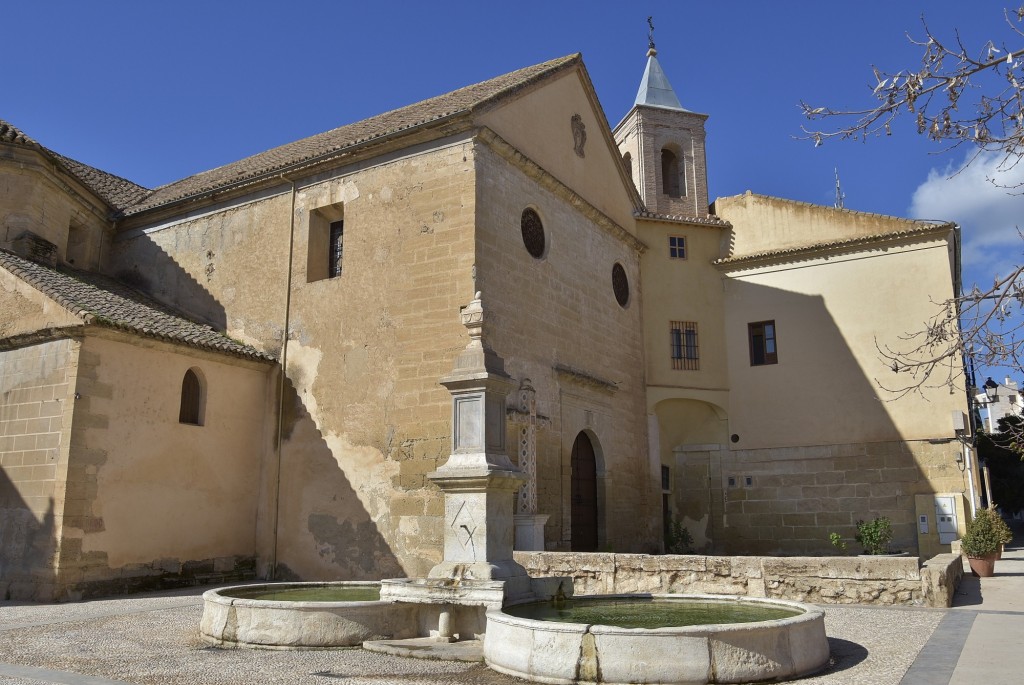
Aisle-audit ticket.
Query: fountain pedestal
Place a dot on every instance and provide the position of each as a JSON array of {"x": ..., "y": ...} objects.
[{"x": 479, "y": 483}]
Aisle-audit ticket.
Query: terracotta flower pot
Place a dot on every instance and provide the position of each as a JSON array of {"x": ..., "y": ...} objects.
[{"x": 983, "y": 566}]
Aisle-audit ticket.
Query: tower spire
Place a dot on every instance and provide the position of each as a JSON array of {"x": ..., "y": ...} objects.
[{"x": 655, "y": 90}]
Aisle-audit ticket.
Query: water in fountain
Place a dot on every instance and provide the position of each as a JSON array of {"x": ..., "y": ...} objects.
[{"x": 640, "y": 612}]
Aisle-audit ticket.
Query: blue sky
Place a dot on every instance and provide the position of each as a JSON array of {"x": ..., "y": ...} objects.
[{"x": 158, "y": 91}]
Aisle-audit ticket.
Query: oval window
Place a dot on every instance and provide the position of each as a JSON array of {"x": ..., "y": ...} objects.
[
  {"x": 620, "y": 285},
  {"x": 533, "y": 233}
]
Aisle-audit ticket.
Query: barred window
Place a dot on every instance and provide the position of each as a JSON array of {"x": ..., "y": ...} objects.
[
  {"x": 677, "y": 247},
  {"x": 685, "y": 351},
  {"x": 335, "y": 248}
]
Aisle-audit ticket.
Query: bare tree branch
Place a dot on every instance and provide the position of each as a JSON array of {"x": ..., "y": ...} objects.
[{"x": 955, "y": 98}]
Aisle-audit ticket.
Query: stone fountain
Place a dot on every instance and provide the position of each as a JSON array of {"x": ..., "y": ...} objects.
[{"x": 479, "y": 483}]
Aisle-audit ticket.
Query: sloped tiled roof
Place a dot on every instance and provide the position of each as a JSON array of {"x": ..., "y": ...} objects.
[
  {"x": 9, "y": 133},
  {"x": 310, "y": 149},
  {"x": 102, "y": 301},
  {"x": 117, "y": 192},
  {"x": 922, "y": 228},
  {"x": 709, "y": 220}
]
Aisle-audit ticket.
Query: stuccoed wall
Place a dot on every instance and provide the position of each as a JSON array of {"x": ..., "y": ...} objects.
[
  {"x": 820, "y": 580},
  {"x": 151, "y": 502}
]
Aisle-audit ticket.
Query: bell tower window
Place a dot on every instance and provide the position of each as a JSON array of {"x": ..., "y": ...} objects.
[{"x": 670, "y": 173}]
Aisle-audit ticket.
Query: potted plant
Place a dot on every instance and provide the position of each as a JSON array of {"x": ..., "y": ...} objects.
[
  {"x": 1004, "y": 531},
  {"x": 875, "y": 535},
  {"x": 981, "y": 543}
]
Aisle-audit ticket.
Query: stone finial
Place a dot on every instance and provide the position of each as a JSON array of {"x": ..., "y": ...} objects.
[{"x": 473, "y": 320}]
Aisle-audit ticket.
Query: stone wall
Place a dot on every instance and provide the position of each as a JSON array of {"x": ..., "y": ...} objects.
[
  {"x": 556, "y": 321},
  {"x": 787, "y": 500},
  {"x": 37, "y": 197},
  {"x": 821, "y": 580},
  {"x": 940, "y": 577},
  {"x": 35, "y": 382}
]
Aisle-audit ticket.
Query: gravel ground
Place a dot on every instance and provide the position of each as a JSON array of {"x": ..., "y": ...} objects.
[{"x": 154, "y": 640}]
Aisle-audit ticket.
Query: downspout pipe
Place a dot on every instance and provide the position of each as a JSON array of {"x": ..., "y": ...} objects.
[{"x": 282, "y": 378}]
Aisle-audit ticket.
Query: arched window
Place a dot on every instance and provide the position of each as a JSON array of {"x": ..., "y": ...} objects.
[
  {"x": 191, "y": 411},
  {"x": 669, "y": 173},
  {"x": 628, "y": 159}
]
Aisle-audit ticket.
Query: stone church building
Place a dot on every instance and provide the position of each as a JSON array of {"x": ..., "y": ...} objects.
[{"x": 237, "y": 374}]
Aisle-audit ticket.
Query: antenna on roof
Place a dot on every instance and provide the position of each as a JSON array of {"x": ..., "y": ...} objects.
[
  {"x": 840, "y": 195},
  {"x": 650, "y": 37}
]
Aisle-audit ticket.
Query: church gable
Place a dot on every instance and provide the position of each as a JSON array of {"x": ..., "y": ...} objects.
[{"x": 560, "y": 126}]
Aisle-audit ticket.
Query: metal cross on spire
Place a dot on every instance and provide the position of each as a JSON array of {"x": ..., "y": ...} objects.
[{"x": 650, "y": 34}]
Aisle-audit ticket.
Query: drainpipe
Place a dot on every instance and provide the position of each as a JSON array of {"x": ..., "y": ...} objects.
[{"x": 282, "y": 378}]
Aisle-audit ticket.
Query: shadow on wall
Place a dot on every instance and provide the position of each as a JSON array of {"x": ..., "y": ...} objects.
[
  {"x": 811, "y": 446},
  {"x": 324, "y": 530},
  {"x": 28, "y": 547},
  {"x": 141, "y": 263}
]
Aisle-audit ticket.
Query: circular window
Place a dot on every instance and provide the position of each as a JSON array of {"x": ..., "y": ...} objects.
[
  {"x": 533, "y": 233},
  {"x": 620, "y": 284}
]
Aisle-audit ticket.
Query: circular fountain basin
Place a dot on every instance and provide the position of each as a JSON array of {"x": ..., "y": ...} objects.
[
  {"x": 302, "y": 615},
  {"x": 643, "y": 639}
]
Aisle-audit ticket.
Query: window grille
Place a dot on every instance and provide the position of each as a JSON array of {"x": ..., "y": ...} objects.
[
  {"x": 335, "y": 249},
  {"x": 685, "y": 350}
]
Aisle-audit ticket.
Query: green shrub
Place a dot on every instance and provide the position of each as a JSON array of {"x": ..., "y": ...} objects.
[
  {"x": 875, "y": 535},
  {"x": 678, "y": 539},
  {"x": 1002, "y": 529},
  {"x": 837, "y": 541},
  {"x": 983, "y": 536}
]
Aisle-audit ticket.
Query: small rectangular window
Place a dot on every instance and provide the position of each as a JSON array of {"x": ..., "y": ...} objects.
[
  {"x": 684, "y": 347},
  {"x": 666, "y": 478},
  {"x": 335, "y": 249},
  {"x": 325, "y": 243},
  {"x": 763, "y": 344},
  {"x": 677, "y": 247}
]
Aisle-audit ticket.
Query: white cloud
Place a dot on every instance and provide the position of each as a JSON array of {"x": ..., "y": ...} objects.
[{"x": 985, "y": 197}]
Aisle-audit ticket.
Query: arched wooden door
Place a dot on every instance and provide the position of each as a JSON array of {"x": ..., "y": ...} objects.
[{"x": 584, "y": 495}]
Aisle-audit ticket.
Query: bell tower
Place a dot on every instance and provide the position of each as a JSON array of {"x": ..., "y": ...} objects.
[{"x": 662, "y": 144}]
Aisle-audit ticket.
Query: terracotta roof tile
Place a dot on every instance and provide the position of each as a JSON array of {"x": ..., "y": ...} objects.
[
  {"x": 922, "y": 228},
  {"x": 308, "y": 149},
  {"x": 117, "y": 192},
  {"x": 9, "y": 133},
  {"x": 102, "y": 301}
]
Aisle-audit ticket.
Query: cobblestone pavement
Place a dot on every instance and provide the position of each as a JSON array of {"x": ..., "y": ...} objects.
[{"x": 153, "y": 639}]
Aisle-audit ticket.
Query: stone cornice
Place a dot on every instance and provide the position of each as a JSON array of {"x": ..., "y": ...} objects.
[{"x": 584, "y": 378}]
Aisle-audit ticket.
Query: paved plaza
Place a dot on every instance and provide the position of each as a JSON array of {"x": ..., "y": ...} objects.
[{"x": 153, "y": 639}]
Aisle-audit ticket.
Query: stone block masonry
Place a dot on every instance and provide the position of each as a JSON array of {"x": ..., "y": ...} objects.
[
  {"x": 34, "y": 386},
  {"x": 821, "y": 580}
]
